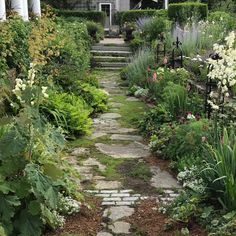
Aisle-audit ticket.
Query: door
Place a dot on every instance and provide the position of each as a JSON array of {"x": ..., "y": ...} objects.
[{"x": 106, "y": 7}]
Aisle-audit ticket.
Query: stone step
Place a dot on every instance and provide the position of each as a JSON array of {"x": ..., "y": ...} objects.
[
  {"x": 111, "y": 48},
  {"x": 112, "y": 64},
  {"x": 109, "y": 68},
  {"x": 110, "y": 59},
  {"x": 111, "y": 53}
]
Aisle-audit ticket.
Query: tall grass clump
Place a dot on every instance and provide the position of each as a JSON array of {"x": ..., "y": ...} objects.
[
  {"x": 137, "y": 70},
  {"x": 198, "y": 37},
  {"x": 220, "y": 173}
]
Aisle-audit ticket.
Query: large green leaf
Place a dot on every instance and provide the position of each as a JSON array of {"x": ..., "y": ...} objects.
[
  {"x": 28, "y": 225},
  {"x": 42, "y": 185}
]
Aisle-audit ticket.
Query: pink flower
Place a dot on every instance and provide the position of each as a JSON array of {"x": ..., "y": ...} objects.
[
  {"x": 204, "y": 139},
  {"x": 154, "y": 77},
  {"x": 165, "y": 60}
]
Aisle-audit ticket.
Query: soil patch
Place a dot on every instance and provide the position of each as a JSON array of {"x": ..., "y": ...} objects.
[
  {"x": 136, "y": 177},
  {"x": 148, "y": 221},
  {"x": 163, "y": 164},
  {"x": 86, "y": 223}
]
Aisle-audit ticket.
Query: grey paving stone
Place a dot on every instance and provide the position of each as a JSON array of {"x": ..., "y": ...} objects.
[
  {"x": 107, "y": 199},
  {"x": 163, "y": 179},
  {"x": 109, "y": 191},
  {"x": 130, "y": 198},
  {"x": 94, "y": 162},
  {"x": 126, "y": 137},
  {"x": 103, "y": 195},
  {"x": 104, "y": 234},
  {"x": 108, "y": 203},
  {"x": 91, "y": 191},
  {"x": 102, "y": 184},
  {"x": 126, "y": 191},
  {"x": 123, "y": 203},
  {"x": 133, "y": 150},
  {"x": 120, "y": 194},
  {"x": 110, "y": 116},
  {"x": 120, "y": 227},
  {"x": 132, "y": 99},
  {"x": 118, "y": 212},
  {"x": 80, "y": 151}
]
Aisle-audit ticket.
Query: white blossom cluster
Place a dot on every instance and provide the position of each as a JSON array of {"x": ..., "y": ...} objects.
[
  {"x": 223, "y": 69},
  {"x": 68, "y": 205},
  {"x": 190, "y": 179},
  {"x": 22, "y": 85},
  {"x": 59, "y": 220}
]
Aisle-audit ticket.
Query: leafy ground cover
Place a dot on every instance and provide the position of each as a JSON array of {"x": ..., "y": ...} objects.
[{"x": 198, "y": 148}]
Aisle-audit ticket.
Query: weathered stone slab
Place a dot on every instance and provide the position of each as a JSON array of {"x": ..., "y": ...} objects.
[
  {"x": 80, "y": 151},
  {"x": 96, "y": 135},
  {"x": 101, "y": 184},
  {"x": 104, "y": 234},
  {"x": 133, "y": 150},
  {"x": 94, "y": 162},
  {"x": 110, "y": 116},
  {"x": 120, "y": 227},
  {"x": 163, "y": 179},
  {"x": 118, "y": 212},
  {"x": 126, "y": 137}
]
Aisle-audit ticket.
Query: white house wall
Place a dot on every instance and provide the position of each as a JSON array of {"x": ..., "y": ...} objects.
[{"x": 124, "y": 5}]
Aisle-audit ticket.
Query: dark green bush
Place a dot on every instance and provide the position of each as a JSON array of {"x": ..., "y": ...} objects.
[
  {"x": 96, "y": 16},
  {"x": 95, "y": 30},
  {"x": 181, "y": 12},
  {"x": 133, "y": 15},
  {"x": 154, "y": 27}
]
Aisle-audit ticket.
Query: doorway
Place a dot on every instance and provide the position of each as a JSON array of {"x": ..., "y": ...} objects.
[{"x": 106, "y": 7}]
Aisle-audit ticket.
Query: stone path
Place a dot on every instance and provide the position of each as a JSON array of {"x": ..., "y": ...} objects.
[{"x": 117, "y": 143}]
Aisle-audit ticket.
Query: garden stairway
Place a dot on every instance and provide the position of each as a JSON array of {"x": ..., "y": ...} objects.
[{"x": 110, "y": 54}]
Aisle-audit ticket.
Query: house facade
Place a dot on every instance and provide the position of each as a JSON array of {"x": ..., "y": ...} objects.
[{"x": 110, "y": 7}]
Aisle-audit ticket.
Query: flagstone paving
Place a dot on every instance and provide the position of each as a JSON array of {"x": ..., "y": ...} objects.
[{"x": 112, "y": 142}]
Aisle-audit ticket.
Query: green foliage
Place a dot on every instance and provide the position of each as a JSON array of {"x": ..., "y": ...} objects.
[
  {"x": 133, "y": 15},
  {"x": 95, "y": 30},
  {"x": 189, "y": 138},
  {"x": 155, "y": 27},
  {"x": 153, "y": 119},
  {"x": 97, "y": 16},
  {"x": 224, "y": 18},
  {"x": 175, "y": 97},
  {"x": 94, "y": 97},
  {"x": 137, "y": 70},
  {"x": 181, "y": 12},
  {"x": 72, "y": 113},
  {"x": 220, "y": 174}
]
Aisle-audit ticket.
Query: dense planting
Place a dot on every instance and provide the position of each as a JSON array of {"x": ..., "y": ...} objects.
[
  {"x": 46, "y": 93},
  {"x": 200, "y": 150}
]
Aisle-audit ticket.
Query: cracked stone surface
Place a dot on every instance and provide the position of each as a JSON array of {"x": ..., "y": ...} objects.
[
  {"x": 118, "y": 212},
  {"x": 163, "y": 179},
  {"x": 102, "y": 184},
  {"x": 133, "y": 150},
  {"x": 126, "y": 137},
  {"x": 120, "y": 227},
  {"x": 109, "y": 126}
]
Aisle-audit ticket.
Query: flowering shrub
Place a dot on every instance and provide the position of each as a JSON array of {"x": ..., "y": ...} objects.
[{"x": 223, "y": 71}]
